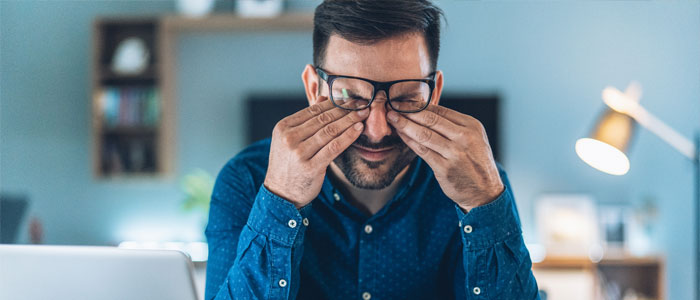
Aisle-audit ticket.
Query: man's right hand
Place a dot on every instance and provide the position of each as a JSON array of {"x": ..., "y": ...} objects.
[{"x": 304, "y": 144}]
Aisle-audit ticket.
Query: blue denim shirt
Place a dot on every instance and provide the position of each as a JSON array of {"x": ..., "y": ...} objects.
[{"x": 420, "y": 245}]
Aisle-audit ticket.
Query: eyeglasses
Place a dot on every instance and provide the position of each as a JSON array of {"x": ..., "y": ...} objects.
[{"x": 355, "y": 93}]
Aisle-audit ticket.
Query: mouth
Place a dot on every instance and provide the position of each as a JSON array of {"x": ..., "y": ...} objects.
[{"x": 373, "y": 154}]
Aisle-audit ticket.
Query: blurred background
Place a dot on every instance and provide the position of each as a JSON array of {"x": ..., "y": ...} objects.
[{"x": 116, "y": 116}]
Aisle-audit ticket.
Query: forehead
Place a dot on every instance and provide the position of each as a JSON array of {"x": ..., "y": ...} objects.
[{"x": 400, "y": 57}]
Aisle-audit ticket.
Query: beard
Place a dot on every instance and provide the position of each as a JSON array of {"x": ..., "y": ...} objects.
[{"x": 374, "y": 175}]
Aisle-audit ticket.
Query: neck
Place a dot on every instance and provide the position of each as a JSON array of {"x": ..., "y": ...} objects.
[{"x": 368, "y": 201}]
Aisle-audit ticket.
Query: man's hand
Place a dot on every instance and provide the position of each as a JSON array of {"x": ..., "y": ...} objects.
[
  {"x": 457, "y": 149},
  {"x": 304, "y": 144}
]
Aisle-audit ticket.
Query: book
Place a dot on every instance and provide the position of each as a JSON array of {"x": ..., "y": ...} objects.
[{"x": 135, "y": 107}]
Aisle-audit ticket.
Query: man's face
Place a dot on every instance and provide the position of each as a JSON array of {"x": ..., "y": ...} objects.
[{"x": 378, "y": 155}]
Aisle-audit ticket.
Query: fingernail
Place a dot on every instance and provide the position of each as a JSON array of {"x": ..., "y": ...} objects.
[
  {"x": 358, "y": 126},
  {"x": 363, "y": 112},
  {"x": 393, "y": 116}
]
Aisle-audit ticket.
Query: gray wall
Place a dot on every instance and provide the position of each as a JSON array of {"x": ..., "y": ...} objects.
[{"x": 548, "y": 60}]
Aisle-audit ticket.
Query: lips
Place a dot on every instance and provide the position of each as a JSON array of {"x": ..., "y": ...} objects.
[{"x": 373, "y": 154}]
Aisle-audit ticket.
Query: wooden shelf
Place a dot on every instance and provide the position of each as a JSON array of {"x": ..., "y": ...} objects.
[
  {"x": 582, "y": 262},
  {"x": 170, "y": 27},
  {"x": 149, "y": 76},
  {"x": 127, "y": 124},
  {"x": 115, "y": 149},
  {"x": 643, "y": 274},
  {"x": 564, "y": 262},
  {"x": 232, "y": 22},
  {"x": 127, "y": 130}
]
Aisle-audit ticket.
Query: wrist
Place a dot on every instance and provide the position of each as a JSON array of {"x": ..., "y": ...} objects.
[
  {"x": 278, "y": 192},
  {"x": 496, "y": 192}
]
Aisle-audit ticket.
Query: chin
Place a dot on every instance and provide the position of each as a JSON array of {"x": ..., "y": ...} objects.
[{"x": 373, "y": 175}]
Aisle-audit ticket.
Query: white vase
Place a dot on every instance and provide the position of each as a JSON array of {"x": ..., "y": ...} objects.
[
  {"x": 259, "y": 8},
  {"x": 195, "y": 8},
  {"x": 130, "y": 57}
]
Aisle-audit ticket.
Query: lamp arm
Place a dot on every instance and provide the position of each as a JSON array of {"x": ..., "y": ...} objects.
[{"x": 663, "y": 131}]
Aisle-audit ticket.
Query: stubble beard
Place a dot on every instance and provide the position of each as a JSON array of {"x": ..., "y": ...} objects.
[{"x": 374, "y": 175}]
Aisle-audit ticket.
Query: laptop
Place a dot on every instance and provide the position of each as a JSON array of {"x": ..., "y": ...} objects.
[{"x": 85, "y": 272}]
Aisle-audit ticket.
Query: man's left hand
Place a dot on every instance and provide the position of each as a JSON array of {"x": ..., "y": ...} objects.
[{"x": 456, "y": 148}]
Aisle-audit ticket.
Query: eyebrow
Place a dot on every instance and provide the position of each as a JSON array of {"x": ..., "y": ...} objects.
[
  {"x": 406, "y": 95},
  {"x": 353, "y": 95}
]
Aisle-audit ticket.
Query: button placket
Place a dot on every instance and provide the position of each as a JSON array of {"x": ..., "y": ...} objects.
[{"x": 365, "y": 267}]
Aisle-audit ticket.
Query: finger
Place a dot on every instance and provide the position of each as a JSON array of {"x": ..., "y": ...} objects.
[
  {"x": 421, "y": 134},
  {"x": 330, "y": 151},
  {"x": 464, "y": 120},
  {"x": 437, "y": 123},
  {"x": 327, "y": 133},
  {"x": 313, "y": 125},
  {"x": 449, "y": 114},
  {"x": 431, "y": 157},
  {"x": 309, "y": 112}
]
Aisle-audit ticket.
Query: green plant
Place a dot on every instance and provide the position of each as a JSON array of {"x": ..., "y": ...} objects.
[{"x": 197, "y": 186}]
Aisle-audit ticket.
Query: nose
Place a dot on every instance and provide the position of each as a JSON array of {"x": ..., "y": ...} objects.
[{"x": 376, "y": 126}]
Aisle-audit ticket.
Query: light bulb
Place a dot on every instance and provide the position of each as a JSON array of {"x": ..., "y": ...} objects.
[{"x": 602, "y": 156}]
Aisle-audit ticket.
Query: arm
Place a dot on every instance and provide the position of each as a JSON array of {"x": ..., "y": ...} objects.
[
  {"x": 252, "y": 246},
  {"x": 496, "y": 264},
  {"x": 255, "y": 247},
  {"x": 494, "y": 256}
]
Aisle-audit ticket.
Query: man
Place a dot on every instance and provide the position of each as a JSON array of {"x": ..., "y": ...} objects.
[{"x": 374, "y": 191}]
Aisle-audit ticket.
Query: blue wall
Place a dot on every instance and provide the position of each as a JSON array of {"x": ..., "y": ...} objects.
[{"x": 548, "y": 60}]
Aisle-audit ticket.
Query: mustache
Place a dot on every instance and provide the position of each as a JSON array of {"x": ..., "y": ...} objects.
[{"x": 386, "y": 142}]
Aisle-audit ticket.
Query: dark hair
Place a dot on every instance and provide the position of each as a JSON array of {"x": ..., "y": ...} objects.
[{"x": 369, "y": 21}]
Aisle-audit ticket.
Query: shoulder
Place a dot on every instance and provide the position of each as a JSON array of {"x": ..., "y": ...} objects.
[
  {"x": 248, "y": 165},
  {"x": 256, "y": 153}
]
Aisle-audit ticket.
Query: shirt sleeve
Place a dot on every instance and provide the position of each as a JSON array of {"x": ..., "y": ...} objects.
[
  {"x": 255, "y": 247},
  {"x": 496, "y": 262}
]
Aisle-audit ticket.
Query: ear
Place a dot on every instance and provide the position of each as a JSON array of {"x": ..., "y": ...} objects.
[
  {"x": 437, "y": 91},
  {"x": 311, "y": 84}
]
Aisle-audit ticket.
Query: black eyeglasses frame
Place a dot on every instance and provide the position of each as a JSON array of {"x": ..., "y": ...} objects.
[{"x": 378, "y": 86}]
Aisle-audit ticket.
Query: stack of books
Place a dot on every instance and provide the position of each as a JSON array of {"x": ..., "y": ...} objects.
[{"x": 130, "y": 106}]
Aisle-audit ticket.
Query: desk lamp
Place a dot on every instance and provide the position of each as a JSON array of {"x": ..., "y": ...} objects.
[{"x": 607, "y": 147}]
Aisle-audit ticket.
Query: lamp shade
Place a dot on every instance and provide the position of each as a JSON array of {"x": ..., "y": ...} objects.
[{"x": 605, "y": 149}]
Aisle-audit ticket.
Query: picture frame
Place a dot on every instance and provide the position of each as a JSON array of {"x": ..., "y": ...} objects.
[
  {"x": 567, "y": 224},
  {"x": 615, "y": 223}
]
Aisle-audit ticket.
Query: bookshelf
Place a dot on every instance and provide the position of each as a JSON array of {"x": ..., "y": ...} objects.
[
  {"x": 127, "y": 119},
  {"x": 139, "y": 139}
]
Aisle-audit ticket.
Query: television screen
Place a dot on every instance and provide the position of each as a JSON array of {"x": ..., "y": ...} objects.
[{"x": 264, "y": 111}]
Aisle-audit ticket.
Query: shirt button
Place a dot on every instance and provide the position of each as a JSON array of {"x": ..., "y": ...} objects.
[
  {"x": 305, "y": 221},
  {"x": 476, "y": 290},
  {"x": 460, "y": 223},
  {"x": 366, "y": 296},
  {"x": 368, "y": 229},
  {"x": 468, "y": 228},
  {"x": 282, "y": 283},
  {"x": 292, "y": 223},
  {"x": 336, "y": 196}
]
